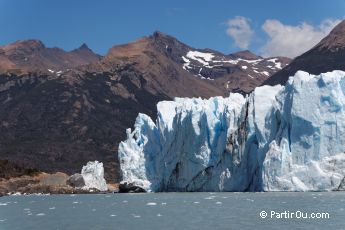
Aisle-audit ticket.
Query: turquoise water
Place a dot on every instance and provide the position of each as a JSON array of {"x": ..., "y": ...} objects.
[{"x": 172, "y": 211}]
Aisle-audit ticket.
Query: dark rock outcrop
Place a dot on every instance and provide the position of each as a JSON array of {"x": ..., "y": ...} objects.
[
  {"x": 76, "y": 181},
  {"x": 130, "y": 188},
  {"x": 342, "y": 185}
]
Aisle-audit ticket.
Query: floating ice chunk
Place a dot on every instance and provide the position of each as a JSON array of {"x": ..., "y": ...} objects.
[
  {"x": 151, "y": 204},
  {"x": 93, "y": 174},
  {"x": 16, "y": 194}
]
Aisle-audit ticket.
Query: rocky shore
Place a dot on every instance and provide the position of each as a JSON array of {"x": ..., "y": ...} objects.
[
  {"x": 22, "y": 181},
  {"x": 44, "y": 183}
]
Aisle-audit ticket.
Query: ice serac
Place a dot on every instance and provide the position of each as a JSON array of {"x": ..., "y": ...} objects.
[
  {"x": 93, "y": 174},
  {"x": 280, "y": 138}
]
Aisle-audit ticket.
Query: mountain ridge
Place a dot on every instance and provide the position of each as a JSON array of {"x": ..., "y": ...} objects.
[
  {"x": 32, "y": 55},
  {"x": 325, "y": 56}
]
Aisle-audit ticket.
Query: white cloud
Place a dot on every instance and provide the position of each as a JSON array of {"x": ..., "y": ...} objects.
[
  {"x": 291, "y": 41},
  {"x": 239, "y": 29}
]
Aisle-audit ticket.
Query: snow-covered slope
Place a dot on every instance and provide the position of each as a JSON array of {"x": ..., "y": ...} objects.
[
  {"x": 281, "y": 138},
  {"x": 200, "y": 64}
]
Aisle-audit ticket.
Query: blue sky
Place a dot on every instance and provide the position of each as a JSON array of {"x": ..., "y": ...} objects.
[{"x": 104, "y": 23}]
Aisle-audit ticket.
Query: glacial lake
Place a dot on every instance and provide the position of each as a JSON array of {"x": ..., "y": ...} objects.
[{"x": 174, "y": 211}]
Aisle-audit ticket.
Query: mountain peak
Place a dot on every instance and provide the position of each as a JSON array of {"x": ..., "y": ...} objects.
[
  {"x": 168, "y": 45},
  {"x": 335, "y": 39},
  {"x": 160, "y": 37},
  {"x": 84, "y": 47},
  {"x": 339, "y": 29},
  {"x": 245, "y": 54},
  {"x": 31, "y": 44},
  {"x": 159, "y": 34}
]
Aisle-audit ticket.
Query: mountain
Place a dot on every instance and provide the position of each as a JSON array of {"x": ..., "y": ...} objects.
[
  {"x": 61, "y": 109},
  {"x": 326, "y": 56},
  {"x": 241, "y": 71},
  {"x": 276, "y": 139},
  {"x": 32, "y": 56}
]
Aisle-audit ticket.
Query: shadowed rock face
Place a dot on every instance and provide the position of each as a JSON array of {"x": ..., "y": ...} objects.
[
  {"x": 76, "y": 180},
  {"x": 60, "y": 123},
  {"x": 326, "y": 56},
  {"x": 61, "y": 109}
]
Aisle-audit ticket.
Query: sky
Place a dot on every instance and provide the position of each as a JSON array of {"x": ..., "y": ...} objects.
[{"x": 266, "y": 27}]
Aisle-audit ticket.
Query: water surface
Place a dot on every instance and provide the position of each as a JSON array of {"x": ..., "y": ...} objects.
[{"x": 171, "y": 211}]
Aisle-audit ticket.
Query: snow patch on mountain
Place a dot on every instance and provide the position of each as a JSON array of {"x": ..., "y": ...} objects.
[
  {"x": 196, "y": 55},
  {"x": 276, "y": 62},
  {"x": 194, "y": 61}
]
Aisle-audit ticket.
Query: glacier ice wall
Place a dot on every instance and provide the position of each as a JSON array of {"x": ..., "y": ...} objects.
[
  {"x": 280, "y": 138},
  {"x": 93, "y": 174}
]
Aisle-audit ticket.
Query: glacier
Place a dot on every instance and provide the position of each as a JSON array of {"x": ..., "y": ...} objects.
[
  {"x": 93, "y": 175},
  {"x": 278, "y": 138}
]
